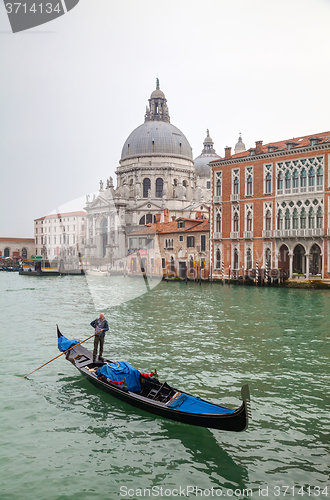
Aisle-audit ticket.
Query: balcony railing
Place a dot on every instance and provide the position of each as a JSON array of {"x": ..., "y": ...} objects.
[
  {"x": 248, "y": 235},
  {"x": 234, "y": 235},
  {"x": 217, "y": 236},
  {"x": 267, "y": 233},
  {"x": 292, "y": 233},
  {"x": 234, "y": 197},
  {"x": 217, "y": 199}
]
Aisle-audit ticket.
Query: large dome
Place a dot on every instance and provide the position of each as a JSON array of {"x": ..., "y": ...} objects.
[{"x": 156, "y": 138}]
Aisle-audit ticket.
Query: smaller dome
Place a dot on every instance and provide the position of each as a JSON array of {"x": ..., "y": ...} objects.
[
  {"x": 208, "y": 139},
  {"x": 157, "y": 94},
  {"x": 202, "y": 168},
  {"x": 239, "y": 146}
]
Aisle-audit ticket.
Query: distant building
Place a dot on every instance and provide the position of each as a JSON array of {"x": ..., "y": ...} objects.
[
  {"x": 17, "y": 248},
  {"x": 171, "y": 248},
  {"x": 270, "y": 208},
  {"x": 60, "y": 235}
]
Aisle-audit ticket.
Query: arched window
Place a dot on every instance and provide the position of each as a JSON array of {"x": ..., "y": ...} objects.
[
  {"x": 218, "y": 259},
  {"x": 159, "y": 188},
  {"x": 146, "y": 187},
  {"x": 295, "y": 220},
  {"x": 303, "y": 218},
  {"x": 142, "y": 221},
  {"x": 280, "y": 180},
  {"x": 295, "y": 179},
  {"x": 236, "y": 185},
  {"x": 319, "y": 177},
  {"x": 268, "y": 183},
  {"x": 311, "y": 177},
  {"x": 249, "y": 185},
  {"x": 235, "y": 222},
  {"x": 248, "y": 259},
  {"x": 319, "y": 218},
  {"x": 172, "y": 268},
  {"x": 280, "y": 220},
  {"x": 235, "y": 259},
  {"x": 315, "y": 266},
  {"x": 218, "y": 223},
  {"x": 268, "y": 259},
  {"x": 303, "y": 178},
  {"x": 311, "y": 219},
  {"x": 175, "y": 182},
  {"x": 219, "y": 187},
  {"x": 287, "y": 179},
  {"x": 287, "y": 219},
  {"x": 24, "y": 253},
  {"x": 184, "y": 184},
  {"x": 149, "y": 219},
  {"x": 249, "y": 221},
  {"x": 6, "y": 252},
  {"x": 268, "y": 220}
]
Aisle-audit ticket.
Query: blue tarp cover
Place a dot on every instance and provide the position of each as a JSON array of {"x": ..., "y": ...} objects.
[
  {"x": 64, "y": 344},
  {"x": 117, "y": 371},
  {"x": 191, "y": 404}
]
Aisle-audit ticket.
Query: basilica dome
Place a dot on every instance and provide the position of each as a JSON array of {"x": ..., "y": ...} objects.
[
  {"x": 202, "y": 168},
  {"x": 157, "y": 136}
]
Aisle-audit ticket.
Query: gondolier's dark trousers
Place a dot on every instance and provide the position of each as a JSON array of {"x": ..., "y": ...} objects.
[{"x": 98, "y": 340}]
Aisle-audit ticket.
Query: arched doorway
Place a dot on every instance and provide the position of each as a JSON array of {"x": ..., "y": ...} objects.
[
  {"x": 283, "y": 260},
  {"x": 104, "y": 236},
  {"x": 299, "y": 260},
  {"x": 6, "y": 252},
  {"x": 315, "y": 262}
]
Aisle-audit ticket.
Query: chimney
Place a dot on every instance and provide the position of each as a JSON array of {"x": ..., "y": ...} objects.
[
  {"x": 258, "y": 147},
  {"x": 166, "y": 215},
  {"x": 199, "y": 215},
  {"x": 158, "y": 216},
  {"x": 173, "y": 218},
  {"x": 227, "y": 152}
]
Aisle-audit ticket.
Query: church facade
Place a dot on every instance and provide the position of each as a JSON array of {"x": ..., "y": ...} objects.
[{"x": 156, "y": 175}]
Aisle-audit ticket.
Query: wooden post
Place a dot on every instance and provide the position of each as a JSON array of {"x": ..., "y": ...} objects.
[
  {"x": 211, "y": 274},
  {"x": 186, "y": 273}
]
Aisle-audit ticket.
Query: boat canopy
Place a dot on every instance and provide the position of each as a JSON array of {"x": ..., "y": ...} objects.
[
  {"x": 64, "y": 344},
  {"x": 191, "y": 404},
  {"x": 116, "y": 372}
]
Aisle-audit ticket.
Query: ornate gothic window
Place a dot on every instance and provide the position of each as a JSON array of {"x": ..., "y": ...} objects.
[
  {"x": 319, "y": 218},
  {"x": 280, "y": 181},
  {"x": 218, "y": 223},
  {"x": 249, "y": 186},
  {"x": 295, "y": 179},
  {"x": 303, "y": 178},
  {"x": 268, "y": 225},
  {"x": 218, "y": 191},
  {"x": 236, "y": 222},
  {"x": 218, "y": 259},
  {"x": 311, "y": 219},
  {"x": 311, "y": 177},
  {"x": 146, "y": 187},
  {"x": 249, "y": 221},
  {"x": 280, "y": 220},
  {"x": 235, "y": 266},
  {"x": 268, "y": 259},
  {"x": 287, "y": 219},
  {"x": 268, "y": 186},
  {"x": 319, "y": 177},
  {"x": 287, "y": 180},
  {"x": 249, "y": 259},
  {"x": 295, "y": 220},
  {"x": 303, "y": 218}
]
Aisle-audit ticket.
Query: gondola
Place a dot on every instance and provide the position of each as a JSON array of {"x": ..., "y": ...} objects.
[{"x": 145, "y": 391}]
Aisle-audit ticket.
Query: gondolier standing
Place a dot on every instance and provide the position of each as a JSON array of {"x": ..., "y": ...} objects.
[{"x": 101, "y": 326}]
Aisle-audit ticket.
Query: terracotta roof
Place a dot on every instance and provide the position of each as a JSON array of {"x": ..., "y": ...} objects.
[
  {"x": 18, "y": 240},
  {"x": 172, "y": 227},
  {"x": 297, "y": 143},
  {"x": 55, "y": 216}
]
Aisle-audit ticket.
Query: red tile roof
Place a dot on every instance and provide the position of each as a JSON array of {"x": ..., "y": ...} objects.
[
  {"x": 17, "y": 240},
  {"x": 297, "y": 142}
]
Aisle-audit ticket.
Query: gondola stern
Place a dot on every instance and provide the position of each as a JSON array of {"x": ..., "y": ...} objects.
[{"x": 245, "y": 392}]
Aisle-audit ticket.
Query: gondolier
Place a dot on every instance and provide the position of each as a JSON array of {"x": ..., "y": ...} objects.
[{"x": 101, "y": 326}]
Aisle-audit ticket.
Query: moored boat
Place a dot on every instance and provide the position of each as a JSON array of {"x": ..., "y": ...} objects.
[{"x": 145, "y": 391}]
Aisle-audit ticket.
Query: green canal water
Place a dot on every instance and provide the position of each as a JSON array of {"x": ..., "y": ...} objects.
[{"x": 60, "y": 438}]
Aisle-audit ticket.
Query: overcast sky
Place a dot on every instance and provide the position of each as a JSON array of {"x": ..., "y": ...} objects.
[{"x": 72, "y": 90}]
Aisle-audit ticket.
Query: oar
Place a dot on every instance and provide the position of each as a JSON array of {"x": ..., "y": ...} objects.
[{"x": 59, "y": 355}]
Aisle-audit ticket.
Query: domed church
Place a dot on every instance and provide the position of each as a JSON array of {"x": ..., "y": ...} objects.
[{"x": 156, "y": 175}]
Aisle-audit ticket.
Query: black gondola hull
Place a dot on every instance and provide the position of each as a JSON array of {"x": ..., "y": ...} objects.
[{"x": 82, "y": 359}]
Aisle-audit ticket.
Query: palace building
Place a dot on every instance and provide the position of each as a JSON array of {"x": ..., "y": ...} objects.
[
  {"x": 156, "y": 172},
  {"x": 270, "y": 208}
]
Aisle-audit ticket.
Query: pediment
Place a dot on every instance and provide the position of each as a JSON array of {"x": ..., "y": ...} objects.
[{"x": 149, "y": 205}]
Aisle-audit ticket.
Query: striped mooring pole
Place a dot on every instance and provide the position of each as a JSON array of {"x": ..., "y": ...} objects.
[
  {"x": 266, "y": 272},
  {"x": 257, "y": 272},
  {"x": 223, "y": 271}
]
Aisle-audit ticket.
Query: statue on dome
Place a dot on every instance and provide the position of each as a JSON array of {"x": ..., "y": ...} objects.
[{"x": 101, "y": 185}]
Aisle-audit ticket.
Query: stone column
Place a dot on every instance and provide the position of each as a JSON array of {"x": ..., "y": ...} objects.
[
  {"x": 307, "y": 264},
  {"x": 290, "y": 264}
]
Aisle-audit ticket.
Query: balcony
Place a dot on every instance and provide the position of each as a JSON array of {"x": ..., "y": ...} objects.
[
  {"x": 217, "y": 236},
  {"x": 248, "y": 235},
  {"x": 234, "y": 235},
  {"x": 217, "y": 199},
  {"x": 302, "y": 233},
  {"x": 267, "y": 233},
  {"x": 234, "y": 197}
]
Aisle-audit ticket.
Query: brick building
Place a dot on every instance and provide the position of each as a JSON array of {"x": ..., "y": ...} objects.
[
  {"x": 270, "y": 205},
  {"x": 172, "y": 248},
  {"x": 16, "y": 248}
]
